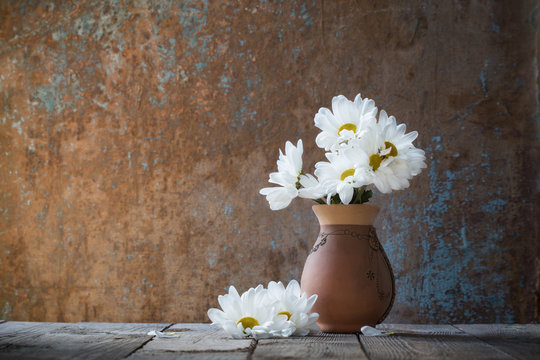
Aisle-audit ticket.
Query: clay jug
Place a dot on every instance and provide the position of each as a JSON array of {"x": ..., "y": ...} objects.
[{"x": 348, "y": 269}]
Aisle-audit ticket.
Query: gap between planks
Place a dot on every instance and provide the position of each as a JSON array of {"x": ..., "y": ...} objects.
[
  {"x": 147, "y": 341},
  {"x": 252, "y": 347}
]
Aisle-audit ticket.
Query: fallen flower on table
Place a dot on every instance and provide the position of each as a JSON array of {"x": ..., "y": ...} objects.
[
  {"x": 371, "y": 331},
  {"x": 295, "y": 304},
  {"x": 264, "y": 313},
  {"x": 165, "y": 334},
  {"x": 253, "y": 314}
]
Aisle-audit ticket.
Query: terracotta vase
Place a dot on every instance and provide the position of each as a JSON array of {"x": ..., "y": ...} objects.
[{"x": 348, "y": 269}]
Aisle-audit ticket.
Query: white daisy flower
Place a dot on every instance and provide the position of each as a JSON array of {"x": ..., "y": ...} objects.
[
  {"x": 254, "y": 313},
  {"x": 288, "y": 177},
  {"x": 346, "y": 171},
  {"x": 348, "y": 120},
  {"x": 295, "y": 304},
  {"x": 393, "y": 159}
]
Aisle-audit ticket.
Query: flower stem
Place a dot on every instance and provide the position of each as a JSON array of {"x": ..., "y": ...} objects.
[{"x": 361, "y": 195}]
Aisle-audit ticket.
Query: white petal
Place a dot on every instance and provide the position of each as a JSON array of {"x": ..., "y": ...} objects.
[
  {"x": 326, "y": 140},
  {"x": 326, "y": 121},
  {"x": 228, "y": 304},
  {"x": 279, "y": 197},
  {"x": 293, "y": 287},
  {"x": 276, "y": 289},
  {"x": 410, "y": 137},
  {"x": 337, "y": 104},
  {"x": 232, "y": 329},
  {"x": 311, "y": 300},
  {"x": 216, "y": 316},
  {"x": 345, "y": 192}
]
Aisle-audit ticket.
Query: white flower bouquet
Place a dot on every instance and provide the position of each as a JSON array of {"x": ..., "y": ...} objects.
[{"x": 361, "y": 152}]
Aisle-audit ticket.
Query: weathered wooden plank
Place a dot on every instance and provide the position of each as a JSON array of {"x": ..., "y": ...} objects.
[
  {"x": 19, "y": 333},
  {"x": 23, "y": 340},
  {"x": 199, "y": 355},
  {"x": 427, "y": 342},
  {"x": 116, "y": 328},
  {"x": 196, "y": 338},
  {"x": 57, "y": 346},
  {"x": 21, "y": 328},
  {"x": 522, "y": 341},
  {"x": 20, "y": 340},
  {"x": 419, "y": 329},
  {"x": 314, "y": 346}
]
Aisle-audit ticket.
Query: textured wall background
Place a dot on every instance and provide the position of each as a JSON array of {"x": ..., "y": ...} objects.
[{"x": 134, "y": 137}]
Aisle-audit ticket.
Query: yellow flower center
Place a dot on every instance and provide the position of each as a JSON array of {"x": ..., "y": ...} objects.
[
  {"x": 285, "y": 313},
  {"x": 375, "y": 160},
  {"x": 346, "y": 173},
  {"x": 389, "y": 145},
  {"x": 248, "y": 322},
  {"x": 347, "y": 126}
]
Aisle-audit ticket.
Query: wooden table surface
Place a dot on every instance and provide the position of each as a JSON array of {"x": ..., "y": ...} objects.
[{"x": 31, "y": 340}]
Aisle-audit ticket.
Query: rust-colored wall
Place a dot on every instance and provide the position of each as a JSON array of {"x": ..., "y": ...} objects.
[{"x": 135, "y": 135}]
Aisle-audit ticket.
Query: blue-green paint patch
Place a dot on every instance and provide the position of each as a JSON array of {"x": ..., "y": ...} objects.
[
  {"x": 494, "y": 206},
  {"x": 193, "y": 18},
  {"x": 49, "y": 98},
  {"x": 166, "y": 76},
  {"x": 225, "y": 83},
  {"x": 483, "y": 81},
  {"x": 212, "y": 256},
  {"x": 443, "y": 279},
  {"x": 305, "y": 15},
  {"x": 157, "y": 103},
  {"x": 147, "y": 283},
  {"x": 494, "y": 27}
]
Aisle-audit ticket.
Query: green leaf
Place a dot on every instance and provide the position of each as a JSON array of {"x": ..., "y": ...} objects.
[
  {"x": 360, "y": 196},
  {"x": 366, "y": 195}
]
